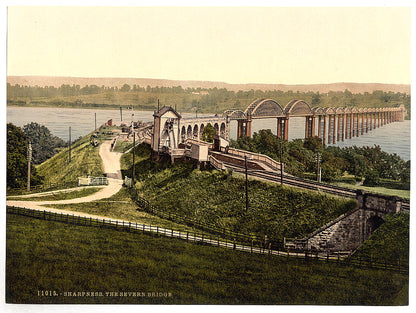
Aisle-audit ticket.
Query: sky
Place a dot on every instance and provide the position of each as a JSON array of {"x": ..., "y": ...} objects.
[{"x": 286, "y": 45}]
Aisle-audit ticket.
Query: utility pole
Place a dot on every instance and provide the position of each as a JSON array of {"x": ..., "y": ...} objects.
[
  {"x": 121, "y": 114},
  {"x": 134, "y": 153},
  {"x": 318, "y": 167},
  {"x": 69, "y": 145},
  {"x": 95, "y": 121},
  {"x": 29, "y": 159},
  {"x": 245, "y": 165},
  {"x": 281, "y": 164}
]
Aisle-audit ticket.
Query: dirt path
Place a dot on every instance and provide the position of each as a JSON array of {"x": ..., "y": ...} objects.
[{"x": 111, "y": 162}]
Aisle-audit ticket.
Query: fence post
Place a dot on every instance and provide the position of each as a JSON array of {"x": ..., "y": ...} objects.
[
  {"x": 44, "y": 214},
  {"x": 234, "y": 244},
  {"x": 129, "y": 226},
  {"x": 218, "y": 236},
  {"x": 143, "y": 228},
  {"x": 187, "y": 236},
  {"x": 251, "y": 248}
]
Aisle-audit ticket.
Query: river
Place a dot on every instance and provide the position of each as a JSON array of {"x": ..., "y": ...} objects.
[{"x": 392, "y": 138}]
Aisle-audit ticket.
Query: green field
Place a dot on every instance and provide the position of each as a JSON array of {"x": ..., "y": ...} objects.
[
  {"x": 60, "y": 195},
  {"x": 380, "y": 190},
  {"x": 52, "y": 256}
]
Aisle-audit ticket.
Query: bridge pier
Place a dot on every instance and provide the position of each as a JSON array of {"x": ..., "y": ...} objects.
[
  {"x": 309, "y": 126},
  {"x": 334, "y": 124}
]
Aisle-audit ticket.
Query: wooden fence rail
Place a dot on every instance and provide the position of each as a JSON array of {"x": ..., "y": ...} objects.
[
  {"x": 40, "y": 188},
  {"x": 213, "y": 240}
]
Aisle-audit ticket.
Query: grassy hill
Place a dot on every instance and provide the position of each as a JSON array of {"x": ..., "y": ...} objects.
[
  {"x": 47, "y": 255},
  {"x": 85, "y": 160}
]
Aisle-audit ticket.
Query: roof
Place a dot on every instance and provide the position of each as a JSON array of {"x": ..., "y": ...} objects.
[{"x": 164, "y": 110}]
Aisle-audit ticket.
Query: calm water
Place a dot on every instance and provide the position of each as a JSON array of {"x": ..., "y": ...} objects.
[{"x": 393, "y": 138}]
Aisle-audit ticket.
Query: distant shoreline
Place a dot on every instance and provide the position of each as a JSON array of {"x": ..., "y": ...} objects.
[
  {"x": 353, "y": 87},
  {"x": 115, "y": 107}
]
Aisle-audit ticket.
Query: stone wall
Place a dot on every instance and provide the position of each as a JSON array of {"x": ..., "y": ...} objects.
[{"x": 350, "y": 230}]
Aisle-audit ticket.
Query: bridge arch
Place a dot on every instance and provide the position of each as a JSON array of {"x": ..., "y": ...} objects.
[
  {"x": 298, "y": 108},
  {"x": 264, "y": 108},
  {"x": 201, "y": 130},
  {"x": 183, "y": 134},
  {"x": 235, "y": 114},
  {"x": 195, "y": 132},
  {"x": 222, "y": 130},
  {"x": 189, "y": 132},
  {"x": 216, "y": 128},
  {"x": 373, "y": 223}
]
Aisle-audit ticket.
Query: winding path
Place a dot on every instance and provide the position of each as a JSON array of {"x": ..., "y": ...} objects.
[{"x": 111, "y": 163}]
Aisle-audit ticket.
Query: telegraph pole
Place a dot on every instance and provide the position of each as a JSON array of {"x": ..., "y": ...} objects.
[
  {"x": 281, "y": 164},
  {"x": 69, "y": 145},
  {"x": 245, "y": 165},
  {"x": 95, "y": 121},
  {"x": 121, "y": 114},
  {"x": 318, "y": 167},
  {"x": 134, "y": 148},
  {"x": 29, "y": 159}
]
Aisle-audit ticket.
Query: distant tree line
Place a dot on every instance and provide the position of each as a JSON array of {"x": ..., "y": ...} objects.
[
  {"x": 213, "y": 99},
  {"x": 370, "y": 164}
]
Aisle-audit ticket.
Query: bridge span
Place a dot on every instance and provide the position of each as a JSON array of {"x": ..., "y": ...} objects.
[{"x": 331, "y": 124}]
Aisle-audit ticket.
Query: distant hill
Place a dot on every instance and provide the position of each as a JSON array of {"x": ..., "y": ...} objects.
[{"x": 143, "y": 82}]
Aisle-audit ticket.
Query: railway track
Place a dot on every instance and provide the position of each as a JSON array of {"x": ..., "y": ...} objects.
[{"x": 304, "y": 183}]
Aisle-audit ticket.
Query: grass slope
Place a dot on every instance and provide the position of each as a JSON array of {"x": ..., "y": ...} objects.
[
  {"x": 85, "y": 160},
  {"x": 218, "y": 199},
  {"x": 60, "y": 195},
  {"x": 45, "y": 255},
  {"x": 389, "y": 243}
]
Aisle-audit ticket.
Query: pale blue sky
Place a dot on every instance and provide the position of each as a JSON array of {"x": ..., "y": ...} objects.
[{"x": 234, "y": 44}]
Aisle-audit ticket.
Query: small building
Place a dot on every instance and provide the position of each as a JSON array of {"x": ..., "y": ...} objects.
[{"x": 166, "y": 129}]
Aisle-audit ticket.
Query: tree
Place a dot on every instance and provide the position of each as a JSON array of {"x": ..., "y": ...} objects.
[
  {"x": 313, "y": 143},
  {"x": 208, "y": 133},
  {"x": 17, "y": 159},
  {"x": 316, "y": 99},
  {"x": 44, "y": 144},
  {"x": 125, "y": 88}
]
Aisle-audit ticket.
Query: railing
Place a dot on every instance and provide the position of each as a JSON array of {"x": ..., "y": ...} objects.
[
  {"x": 41, "y": 188},
  {"x": 210, "y": 239},
  {"x": 177, "y": 152},
  {"x": 256, "y": 156},
  {"x": 198, "y": 142},
  {"x": 92, "y": 181},
  {"x": 216, "y": 163}
]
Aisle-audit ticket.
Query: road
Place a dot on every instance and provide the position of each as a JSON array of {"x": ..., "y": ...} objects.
[{"x": 111, "y": 163}]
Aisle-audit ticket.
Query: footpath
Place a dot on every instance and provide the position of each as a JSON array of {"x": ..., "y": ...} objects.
[{"x": 111, "y": 162}]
